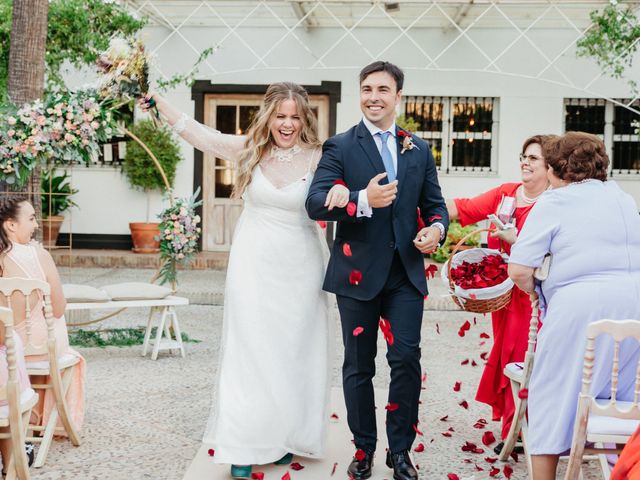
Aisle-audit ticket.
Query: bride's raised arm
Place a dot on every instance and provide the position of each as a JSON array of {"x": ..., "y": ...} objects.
[{"x": 202, "y": 137}]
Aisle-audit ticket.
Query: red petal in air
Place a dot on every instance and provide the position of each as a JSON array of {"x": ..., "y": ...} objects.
[
  {"x": 445, "y": 418},
  {"x": 456, "y": 386},
  {"x": 257, "y": 476},
  {"x": 524, "y": 393},
  {"x": 385, "y": 326},
  {"x": 417, "y": 430},
  {"x": 490, "y": 460},
  {"x": 464, "y": 404},
  {"x": 333, "y": 470},
  {"x": 339, "y": 181},
  {"x": 357, "y": 331},
  {"x": 433, "y": 218},
  {"x": 392, "y": 407},
  {"x": 452, "y": 476},
  {"x": 355, "y": 277},
  {"x": 351, "y": 209},
  {"x": 211, "y": 452},
  {"x": 507, "y": 471},
  {"x": 286, "y": 476},
  {"x": 419, "y": 448},
  {"x": 322, "y": 224},
  {"x": 431, "y": 271},
  {"x": 346, "y": 249},
  {"x": 437, "y": 329},
  {"x": 296, "y": 466},
  {"x": 494, "y": 471},
  {"x": 488, "y": 438},
  {"x": 466, "y": 326},
  {"x": 360, "y": 455},
  {"x": 484, "y": 335}
]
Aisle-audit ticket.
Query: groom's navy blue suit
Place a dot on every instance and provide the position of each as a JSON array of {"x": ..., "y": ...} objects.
[{"x": 393, "y": 281}]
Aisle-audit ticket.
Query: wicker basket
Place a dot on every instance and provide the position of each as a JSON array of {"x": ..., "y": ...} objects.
[{"x": 476, "y": 305}]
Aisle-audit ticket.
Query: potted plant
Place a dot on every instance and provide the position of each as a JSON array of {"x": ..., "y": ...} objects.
[
  {"x": 56, "y": 199},
  {"x": 143, "y": 174}
]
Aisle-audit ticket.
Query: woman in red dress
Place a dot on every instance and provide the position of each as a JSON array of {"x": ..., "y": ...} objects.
[{"x": 510, "y": 324}]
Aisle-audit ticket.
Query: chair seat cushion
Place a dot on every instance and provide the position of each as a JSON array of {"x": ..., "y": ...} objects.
[
  {"x": 25, "y": 397},
  {"x": 514, "y": 370},
  {"x": 136, "y": 291},
  {"x": 63, "y": 362},
  {"x": 605, "y": 425},
  {"x": 84, "y": 294}
]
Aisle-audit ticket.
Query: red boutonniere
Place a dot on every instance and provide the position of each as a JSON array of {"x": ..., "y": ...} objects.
[{"x": 407, "y": 141}]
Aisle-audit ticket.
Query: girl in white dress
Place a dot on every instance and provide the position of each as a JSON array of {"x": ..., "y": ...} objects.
[{"x": 272, "y": 388}]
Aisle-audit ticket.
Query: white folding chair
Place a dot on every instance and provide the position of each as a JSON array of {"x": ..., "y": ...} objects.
[
  {"x": 519, "y": 374},
  {"x": 604, "y": 421},
  {"x": 15, "y": 414},
  {"x": 58, "y": 370}
]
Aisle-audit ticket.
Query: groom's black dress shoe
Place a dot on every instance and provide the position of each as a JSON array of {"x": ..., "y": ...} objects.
[
  {"x": 403, "y": 469},
  {"x": 361, "y": 469}
]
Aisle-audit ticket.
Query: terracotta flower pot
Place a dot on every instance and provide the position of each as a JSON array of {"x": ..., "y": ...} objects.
[
  {"x": 50, "y": 230},
  {"x": 143, "y": 237}
]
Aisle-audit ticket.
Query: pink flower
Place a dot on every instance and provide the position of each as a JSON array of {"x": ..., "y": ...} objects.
[
  {"x": 11, "y": 121},
  {"x": 11, "y": 133}
]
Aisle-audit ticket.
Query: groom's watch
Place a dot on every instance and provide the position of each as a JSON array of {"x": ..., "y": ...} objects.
[{"x": 440, "y": 227}]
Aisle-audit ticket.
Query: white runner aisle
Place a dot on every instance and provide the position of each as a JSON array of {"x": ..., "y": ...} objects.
[{"x": 340, "y": 450}]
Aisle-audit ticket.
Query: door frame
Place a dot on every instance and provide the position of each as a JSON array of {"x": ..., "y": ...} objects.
[{"x": 202, "y": 88}]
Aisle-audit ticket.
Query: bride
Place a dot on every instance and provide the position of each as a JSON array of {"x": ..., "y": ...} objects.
[{"x": 273, "y": 383}]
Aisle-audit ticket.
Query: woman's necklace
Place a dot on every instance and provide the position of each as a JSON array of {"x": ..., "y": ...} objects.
[
  {"x": 284, "y": 154},
  {"x": 528, "y": 200}
]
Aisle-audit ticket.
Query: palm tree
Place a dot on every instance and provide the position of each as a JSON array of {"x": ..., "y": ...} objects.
[{"x": 26, "y": 66}]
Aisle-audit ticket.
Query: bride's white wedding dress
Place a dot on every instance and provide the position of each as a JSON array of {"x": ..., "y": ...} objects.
[{"x": 271, "y": 396}]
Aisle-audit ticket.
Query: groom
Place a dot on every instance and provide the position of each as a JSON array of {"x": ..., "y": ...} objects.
[{"x": 376, "y": 268}]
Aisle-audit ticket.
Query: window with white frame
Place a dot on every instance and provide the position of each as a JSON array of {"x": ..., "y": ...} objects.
[
  {"x": 613, "y": 123},
  {"x": 462, "y": 131}
]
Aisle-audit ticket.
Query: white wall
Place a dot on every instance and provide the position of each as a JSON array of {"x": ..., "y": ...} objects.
[{"x": 527, "y": 105}]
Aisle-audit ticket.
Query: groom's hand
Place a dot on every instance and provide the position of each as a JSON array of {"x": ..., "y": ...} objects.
[
  {"x": 380, "y": 196},
  {"x": 427, "y": 239}
]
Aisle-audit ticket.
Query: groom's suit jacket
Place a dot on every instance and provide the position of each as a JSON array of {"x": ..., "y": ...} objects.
[{"x": 353, "y": 157}]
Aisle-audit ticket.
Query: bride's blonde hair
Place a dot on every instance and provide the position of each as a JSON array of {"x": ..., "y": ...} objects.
[{"x": 259, "y": 137}]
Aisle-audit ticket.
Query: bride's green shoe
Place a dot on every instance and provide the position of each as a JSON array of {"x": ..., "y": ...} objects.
[
  {"x": 286, "y": 460},
  {"x": 241, "y": 471}
]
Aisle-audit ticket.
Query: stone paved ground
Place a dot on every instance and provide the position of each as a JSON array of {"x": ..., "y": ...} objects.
[{"x": 144, "y": 419}]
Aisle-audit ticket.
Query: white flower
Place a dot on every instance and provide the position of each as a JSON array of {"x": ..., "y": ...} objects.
[{"x": 118, "y": 48}]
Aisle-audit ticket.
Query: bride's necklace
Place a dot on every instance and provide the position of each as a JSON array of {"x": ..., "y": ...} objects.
[
  {"x": 529, "y": 200},
  {"x": 284, "y": 154}
]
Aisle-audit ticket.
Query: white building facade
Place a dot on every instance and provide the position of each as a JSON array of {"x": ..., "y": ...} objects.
[{"x": 480, "y": 77}]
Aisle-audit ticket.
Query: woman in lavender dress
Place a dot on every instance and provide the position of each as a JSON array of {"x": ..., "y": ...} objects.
[{"x": 592, "y": 229}]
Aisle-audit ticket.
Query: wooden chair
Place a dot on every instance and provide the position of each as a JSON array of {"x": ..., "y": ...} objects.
[
  {"x": 15, "y": 414},
  {"x": 519, "y": 374},
  {"x": 601, "y": 421},
  {"x": 58, "y": 370}
]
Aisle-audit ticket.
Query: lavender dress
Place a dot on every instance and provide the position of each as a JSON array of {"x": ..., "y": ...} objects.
[{"x": 592, "y": 230}]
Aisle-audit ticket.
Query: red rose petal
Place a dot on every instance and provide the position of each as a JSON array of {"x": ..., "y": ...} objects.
[
  {"x": 483, "y": 356},
  {"x": 461, "y": 333},
  {"x": 424, "y": 377},
  {"x": 346, "y": 249},
  {"x": 445, "y": 418},
  {"x": 355, "y": 277},
  {"x": 286, "y": 476},
  {"x": 473, "y": 295},
  {"x": 456, "y": 386},
  {"x": 385, "y": 327},
  {"x": 477, "y": 450},
  {"x": 322, "y": 224},
  {"x": 468, "y": 446},
  {"x": 296, "y": 466},
  {"x": 507, "y": 471},
  {"x": 419, "y": 448},
  {"x": 479, "y": 425},
  {"x": 433, "y": 218},
  {"x": 524, "y": 393},
  {"x": 334, "y": 416},
  {"x": 446, "y": 434},
  {"x": 211, "y": 452},
  {"x": 488, "y": 438},
  {"x": 257, "y": 475},
  {"x": 357, "y": 331},
  {"x": 339, "y": 181},
  {"x": 474, "y": 321},
  {"x": 479, "y": 469},
  {"x": 473, "y": 363},
  {"x": 484, "y": 335},
  {"x": 451, "y": 429},
  {"x": 452, "y": 476},
  {"x": 482, "y": 420},
  {"x": 464, "y": 404},
  {"x": 514, "y": 455},
  {"x": 490, "y": 460},
  {"x": 466, "y": 326},
  {"x": 431, "y": 271},
  {"x": 437, "y": 329},
  {"x": 360, "y": 455},
  {"x": 351, "y": 209},
  {"x": 494, "y": 471},
  {"x": 333, "y": 470},
  {"x": 417, "y": 430},
  {"x": 464, "y": 362},
  {"x": 392, "y": 407}
]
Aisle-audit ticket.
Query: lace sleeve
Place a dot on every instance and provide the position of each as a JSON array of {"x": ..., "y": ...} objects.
[
  {"x": 209, "y": 140},
  {"x": 315, "y": 159}
]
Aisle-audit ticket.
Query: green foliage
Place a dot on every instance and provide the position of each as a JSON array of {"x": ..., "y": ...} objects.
[
  {"x": 612, "y": 40},
  {"x": 77, "y": 31},
  {"x": 56, "y": 193},
  {"x": 187, "y": 78},
  {"x": 116, "y": 337},
  {"x": 454, "y": 235},
  {"x": 139, "y": 167},
  {"x": 407, "y": 123}
]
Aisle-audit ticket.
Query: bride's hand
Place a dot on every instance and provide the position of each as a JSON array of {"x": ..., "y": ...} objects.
[
  {"x": 148, "y": 101},
  {"x": 338, "y": 196}
]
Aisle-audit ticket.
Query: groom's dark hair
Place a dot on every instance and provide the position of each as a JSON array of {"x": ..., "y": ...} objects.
[{"x": 379, "y": 66}]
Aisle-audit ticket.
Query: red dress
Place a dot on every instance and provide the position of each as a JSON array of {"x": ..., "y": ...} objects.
[
  {"x": 510, "y": 324},
  {"x": 628, "y": 466}
]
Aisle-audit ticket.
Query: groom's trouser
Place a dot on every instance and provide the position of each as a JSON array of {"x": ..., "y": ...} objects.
[{"x": 401, "y": 304}]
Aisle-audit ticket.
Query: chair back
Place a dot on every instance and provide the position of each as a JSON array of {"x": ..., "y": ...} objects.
[
  {"x": 527, "y": 366},
  {"x": 618, "y": 330},
  {"x": 27, "y": 287}
]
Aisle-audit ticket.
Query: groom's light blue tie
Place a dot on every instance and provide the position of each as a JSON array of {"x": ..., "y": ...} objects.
[{"x": 387, "y": 159}]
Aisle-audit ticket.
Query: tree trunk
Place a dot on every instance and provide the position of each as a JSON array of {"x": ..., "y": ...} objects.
[{"x": 26, "y": 68}]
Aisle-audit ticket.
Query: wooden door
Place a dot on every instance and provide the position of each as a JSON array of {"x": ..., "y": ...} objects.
[{"x": 231, "y": 113}]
